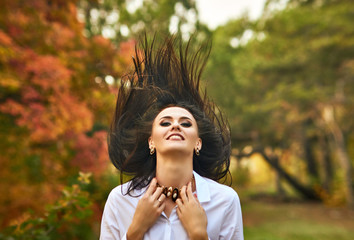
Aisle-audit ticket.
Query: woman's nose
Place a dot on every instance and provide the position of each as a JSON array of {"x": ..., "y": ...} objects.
[{"x": 175, "y": 125}]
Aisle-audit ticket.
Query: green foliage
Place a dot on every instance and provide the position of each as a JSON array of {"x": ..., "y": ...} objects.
[
  {"x": 285, "y": 81},
  {"x": 62, "y": 220},
  {"x": 119, "y": 20},
  {"x": 240, "y": 176},
  {"x": 292, "y": 63}
]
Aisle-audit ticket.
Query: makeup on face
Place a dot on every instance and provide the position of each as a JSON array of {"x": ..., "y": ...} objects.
[{"x": 174, "y": 128}]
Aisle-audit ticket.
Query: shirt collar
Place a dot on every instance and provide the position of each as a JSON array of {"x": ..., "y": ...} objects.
[{"x": 202, "y": 188}]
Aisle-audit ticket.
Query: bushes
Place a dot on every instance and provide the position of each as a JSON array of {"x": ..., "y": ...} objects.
[{"x": 66, "y": 219}]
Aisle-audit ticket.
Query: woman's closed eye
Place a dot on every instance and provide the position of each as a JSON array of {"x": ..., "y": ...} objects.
[
  {"x": 186, "y": 124},
  {"x": 165, "y": 124}
]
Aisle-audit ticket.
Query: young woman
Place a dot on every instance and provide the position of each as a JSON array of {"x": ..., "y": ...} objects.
[{"x": 175, "y": 144}]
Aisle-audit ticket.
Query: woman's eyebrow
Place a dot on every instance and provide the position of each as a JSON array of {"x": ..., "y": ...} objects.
[{"x": 182, "y": 118}]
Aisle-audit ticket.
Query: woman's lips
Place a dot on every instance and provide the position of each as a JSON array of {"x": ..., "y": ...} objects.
[{"x": 175, "y": 137}]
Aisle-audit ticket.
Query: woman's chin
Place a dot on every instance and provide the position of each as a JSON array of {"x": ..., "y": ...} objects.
[{"x": 177, "y": 151}]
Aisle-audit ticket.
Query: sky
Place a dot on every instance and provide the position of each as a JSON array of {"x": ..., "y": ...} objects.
[{"x": 217, "y": 12}]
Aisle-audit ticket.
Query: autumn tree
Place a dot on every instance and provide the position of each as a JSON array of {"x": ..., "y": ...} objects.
[{"x": 55, "y": 104}]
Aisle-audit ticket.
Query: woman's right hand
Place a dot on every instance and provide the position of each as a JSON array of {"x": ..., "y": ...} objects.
[{"x": 149, "y": 208}]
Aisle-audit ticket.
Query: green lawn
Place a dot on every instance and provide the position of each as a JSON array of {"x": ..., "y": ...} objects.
[{"x": 269, "y": 219}]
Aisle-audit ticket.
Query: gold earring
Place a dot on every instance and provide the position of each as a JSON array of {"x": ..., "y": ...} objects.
[
  {"x": 152, "y": 150},
  {"x": 197, "y": 152}
]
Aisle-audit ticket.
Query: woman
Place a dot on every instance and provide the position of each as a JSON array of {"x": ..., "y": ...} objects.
[{"x": 175, "y": 144}]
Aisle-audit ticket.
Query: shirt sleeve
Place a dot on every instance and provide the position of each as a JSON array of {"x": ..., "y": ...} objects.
[
  {"x": 109, "y": 223},
  {"x": 232, "y": 227}
]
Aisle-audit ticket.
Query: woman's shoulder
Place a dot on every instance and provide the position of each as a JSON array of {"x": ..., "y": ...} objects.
[
  {"x": 118, "y": 192},
  {"x": 121, "y": 191},
  {"x": 221, "y": 191}
]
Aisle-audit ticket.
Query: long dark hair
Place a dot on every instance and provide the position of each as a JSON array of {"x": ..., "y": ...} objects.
[{"x": 164, "y": 75}]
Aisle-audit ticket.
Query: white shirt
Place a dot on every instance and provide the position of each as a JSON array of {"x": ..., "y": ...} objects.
[{"x": 221, "y": 204}]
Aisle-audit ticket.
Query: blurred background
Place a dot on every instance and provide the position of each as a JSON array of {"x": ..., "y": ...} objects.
[{"x": 281, "y": 70}]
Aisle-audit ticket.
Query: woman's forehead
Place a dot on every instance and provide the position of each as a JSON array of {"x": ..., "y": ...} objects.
[{"x": 175, "y": 112}]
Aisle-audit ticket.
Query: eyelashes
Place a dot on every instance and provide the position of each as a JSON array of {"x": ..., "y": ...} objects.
[{"x": 186, "y": 124}]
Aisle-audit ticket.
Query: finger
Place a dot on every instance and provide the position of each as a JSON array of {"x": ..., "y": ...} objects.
[
  {"x": 179, "y": 203},
  {"x": 162, "y": 207},
  {"x": 184, "y": 195},
  {"x": 161, "y": 199},
  {"x": 157, "y": 193},
  {"x": 189, "y": 190},
  {"x": 157, "y": 200},
  {"x": 179, "y": 212},
  {"x": 152, "y": 187}
]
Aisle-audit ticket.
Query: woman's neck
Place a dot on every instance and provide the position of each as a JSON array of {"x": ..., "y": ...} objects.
[{"x": 174, "y": 172}]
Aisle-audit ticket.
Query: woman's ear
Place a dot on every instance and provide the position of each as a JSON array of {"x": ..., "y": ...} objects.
[
  {"x": 150, "y": 142},
  {"x": 199, "y": 144}
]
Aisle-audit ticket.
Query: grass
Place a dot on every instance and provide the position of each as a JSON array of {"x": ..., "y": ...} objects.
[
  {"x": 272, "y": 219},
  {"x": 297, "y": 230}
]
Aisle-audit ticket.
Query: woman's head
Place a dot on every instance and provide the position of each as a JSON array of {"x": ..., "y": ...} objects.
[
  {"x": 175, "y": 131},
  {"x": 166, "y": 76}
]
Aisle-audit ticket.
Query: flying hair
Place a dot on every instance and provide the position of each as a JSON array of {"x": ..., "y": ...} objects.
[{"x": 165, "y": 73}]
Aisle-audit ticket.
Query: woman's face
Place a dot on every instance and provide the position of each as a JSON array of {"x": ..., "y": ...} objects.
[{"x": 175, "y": 129}]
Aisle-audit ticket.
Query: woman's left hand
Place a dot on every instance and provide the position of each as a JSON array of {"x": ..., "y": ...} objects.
[{"x": 192, "y": 214}]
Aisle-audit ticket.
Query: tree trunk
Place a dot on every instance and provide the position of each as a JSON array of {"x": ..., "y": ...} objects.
[
  {"x": 326, "y": 162},
  {"x": 341, "y": 151},
  {"x": 273, "y": 161},
  {"x": 307, "y": 144},
  {"x": 309, "y": 193},
  {"x": 279, "y": 187}
]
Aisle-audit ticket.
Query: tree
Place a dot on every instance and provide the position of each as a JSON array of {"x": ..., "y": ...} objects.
[
  {"x": 291, "y": 73},
  {"x": 119, "y": 20},
  {"x": 55, "y": 104}
]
